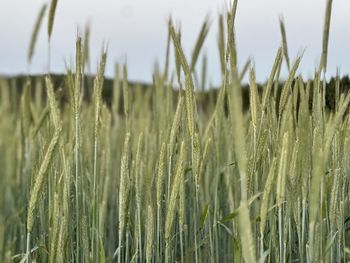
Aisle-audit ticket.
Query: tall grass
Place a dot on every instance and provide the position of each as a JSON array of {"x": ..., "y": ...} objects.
[{"x": 174, "y": 172}]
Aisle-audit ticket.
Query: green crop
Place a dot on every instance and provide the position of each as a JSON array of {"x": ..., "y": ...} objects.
[{"x": 172, "y": 172}]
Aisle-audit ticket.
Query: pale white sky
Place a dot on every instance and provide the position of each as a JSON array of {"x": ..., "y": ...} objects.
[{"x": 135, "y": 30}]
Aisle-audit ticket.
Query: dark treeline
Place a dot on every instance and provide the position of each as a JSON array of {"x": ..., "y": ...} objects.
[{"x": 208, "y": 97}]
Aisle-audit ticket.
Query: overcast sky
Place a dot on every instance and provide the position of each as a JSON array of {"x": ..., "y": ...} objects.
[{"x": 135, "y": 31}]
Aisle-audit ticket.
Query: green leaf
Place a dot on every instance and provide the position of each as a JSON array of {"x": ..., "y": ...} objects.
[{"x": 204, "y": 216}]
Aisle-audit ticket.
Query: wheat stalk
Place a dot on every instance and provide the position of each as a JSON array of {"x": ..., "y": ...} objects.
[
  {"x": 123, "y": 191},
  {"x": 54, "y": 109},
  {"x": 326, "y": 29},
  {"x": 149, "y": 229},
  {"x": 51, "y": 18},
  {"x": 246, "y": 233},
  {"x": 35, "y": 33},
  {"x": 284, "y": 41},
  {"x": 36, "y": 190},
  {"x": 40, "y": 179},
  {"x": 200, "y": 41},
  {"x": 189, "y": 101},
  {"x": 169, "y": 220}
]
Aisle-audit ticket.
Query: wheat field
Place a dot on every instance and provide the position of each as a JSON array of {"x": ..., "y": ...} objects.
[{"x": 173, "y": 173}]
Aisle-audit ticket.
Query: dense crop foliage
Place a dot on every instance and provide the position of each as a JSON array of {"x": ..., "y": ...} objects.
[{"x": 160, "y": 176}]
